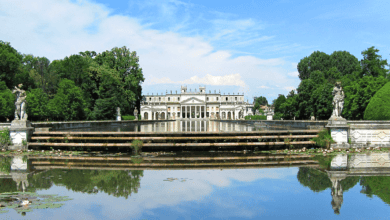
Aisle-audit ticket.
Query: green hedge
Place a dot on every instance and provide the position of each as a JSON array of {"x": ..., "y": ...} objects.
[
  {"x": 379, "y": 106},
  {"x": 256, "y": 117},
  {"x": 130, "y": 117}
]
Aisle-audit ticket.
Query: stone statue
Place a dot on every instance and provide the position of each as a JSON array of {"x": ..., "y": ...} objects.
[
  {"x": 118, "y": 111},
  {"x": 257, "y": 112},
  {"x": 338, "y": 100},
  {"x": 20, "y": 104},
  {"x": 136, "y": 113}
]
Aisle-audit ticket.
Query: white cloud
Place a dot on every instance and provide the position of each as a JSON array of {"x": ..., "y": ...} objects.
[
  {"x": 289, "y": 88},
  {"x": 294, "y": 74},
  {"x": 56, "y": 29},
  {"x": 263, "y": 87},
  {"x": 226, "y": 80}
]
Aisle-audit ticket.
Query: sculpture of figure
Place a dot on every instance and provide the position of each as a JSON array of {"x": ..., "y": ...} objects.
[
  {"x": 338, "y": 100},
  {"x": 20, "y": 104},
  {"x": 136, "y": 113},
  {"x": 118, "y": 111},
  {"x": 257, "y": 112}
]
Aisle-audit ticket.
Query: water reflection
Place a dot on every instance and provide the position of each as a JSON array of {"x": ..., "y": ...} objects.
[
  {"x": 255, "y": 192},
  {"x": 176, "y": 126}
]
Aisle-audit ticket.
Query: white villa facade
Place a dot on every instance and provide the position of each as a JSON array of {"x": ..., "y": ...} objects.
[{"x": 194, "y": 105}]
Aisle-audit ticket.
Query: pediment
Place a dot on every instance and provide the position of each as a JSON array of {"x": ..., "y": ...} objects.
[{"x": 193, "y": 101}]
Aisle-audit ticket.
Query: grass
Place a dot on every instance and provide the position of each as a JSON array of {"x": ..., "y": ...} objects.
[{"x": 324, "y": 139}]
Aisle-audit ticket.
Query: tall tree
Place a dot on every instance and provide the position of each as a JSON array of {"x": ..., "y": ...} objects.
[
  {"x": 7, "y": 100},
  {"x": 10, "y": 60},
  {"x": 372, "y": 63},
  {"x": 126, "y": 64}
]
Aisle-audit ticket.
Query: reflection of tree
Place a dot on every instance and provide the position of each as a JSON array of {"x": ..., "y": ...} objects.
[
  {"x": 7, "y": 185},
  {"x": 118, "y": 183},
  {"x": 349, "y": 182},
  {"x": 5, "y": 164},
  {"x": 316, "y": 180},
  {"x": 376, "y": 185}
]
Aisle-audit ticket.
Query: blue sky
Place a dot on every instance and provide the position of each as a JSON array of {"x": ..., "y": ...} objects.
[{"x": 232, "y": 46}]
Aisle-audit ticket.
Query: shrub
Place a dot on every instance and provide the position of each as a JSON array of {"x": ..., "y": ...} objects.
[
  {"x": 256, "y": 117},
  {"x": 379, "y": 106},
  {"x": 130, "y": 117},
  {"x": 136, "y": 145},
  {"x": 324, "y": 138},
  {"x": 5, "y": 139}
]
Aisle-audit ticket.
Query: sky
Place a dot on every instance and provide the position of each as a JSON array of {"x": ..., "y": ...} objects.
[{"x": 247, "y": 47}]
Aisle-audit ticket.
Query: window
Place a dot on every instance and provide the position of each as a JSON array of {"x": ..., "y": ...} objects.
[
  {"x": 217, "y": 98},
  {"x": 150, "y": 99},
  {"x": 236, "y": 98},
  {"x": 178, "y": 99},
  {"x": 207, "y": 98},
  {"x": 226, "y": 98},
  {"x": 159, "y": 99},
  {"x": 169, "y": 99}
]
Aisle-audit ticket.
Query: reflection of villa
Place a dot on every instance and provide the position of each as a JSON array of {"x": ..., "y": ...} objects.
[{"x": 192, "y": 105}]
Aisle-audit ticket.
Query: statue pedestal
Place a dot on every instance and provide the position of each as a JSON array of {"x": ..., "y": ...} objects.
[
  {"x": 20, "y": 131},
  {"x": 339, "y": 131},
  {"x": 118, "y": 118}
]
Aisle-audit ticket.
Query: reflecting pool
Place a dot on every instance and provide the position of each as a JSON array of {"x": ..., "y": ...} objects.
[
  {"x": 355, "y": 187},
  {"x": 179, "y": 126}
]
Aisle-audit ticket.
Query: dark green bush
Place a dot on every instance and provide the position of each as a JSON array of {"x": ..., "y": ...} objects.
[
  {"x": 379, "y": 106},
  {"x": 130, "y": 117},
  {"x": 256, "y": 117},
  {"x": 324, "y": 139},
  {"x": 5, "y": 139}
]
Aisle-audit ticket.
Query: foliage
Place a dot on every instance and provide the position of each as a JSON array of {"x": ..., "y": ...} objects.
[
  {"x": 113, "y": 182},
  {"x": 5, "y": 164},
  {"x": 256, "y": 117},
  {"x": 379, "y": 105},
  {"x": 319, "y": 72},
  {"x": 130, "y": 117},
  {"x": 68, "y": 103},
  {"x": 377, "y": 185},
  {"x": 260, "y": 101},
  {"x": 37, "y": 101},
  {"x": 5, "y": 139},
  {"x": 316, "y": 180},
  {"x": 101, "y": 83},
  {"x": 7, "y": 100},
  {"x": 137, "y": 145},
  {"x": 360, "y": 93},
  {"x": 9, "y": 63},
  {"x": 278, "y": 102},
  {"x": 324, "y": 138}
]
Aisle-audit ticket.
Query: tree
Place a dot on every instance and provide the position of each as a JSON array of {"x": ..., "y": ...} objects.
[
  {"x": 7, "y": 102},
  {"x": 37, "y": 102},
  {"x": 358, "y": 95},
  {"x": 110, "y": 93},
  {"x": 126, "y": 64},
  {"x": 372, "y": 63},
  {"x": 317, "y": 61},
  {"x": 278, "y": 102},
  {"x": 290, "y": 106},
  {"x": 316, "y": 180},
  {"x": 10, "y": 60},
  {"x": 260, "y": 101},
  {"x": 68, "y": 103},
  {"x": 379, "y": 106}
]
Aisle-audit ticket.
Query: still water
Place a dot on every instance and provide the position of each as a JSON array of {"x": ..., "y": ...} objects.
[
  {"x": 177, "y": 126},
  {"x": 354, "y": 187}
]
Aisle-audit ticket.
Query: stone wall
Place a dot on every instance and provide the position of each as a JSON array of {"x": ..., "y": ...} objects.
[
  {"x": 5, "y": 125},
  {"x": 362, "y": 134},
  {"x": 79, "y": 124},
  {"x": 299, "y": 124}
]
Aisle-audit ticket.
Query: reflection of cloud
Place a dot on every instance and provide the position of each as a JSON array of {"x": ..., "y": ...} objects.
[{"x": 155, "y": 192}]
